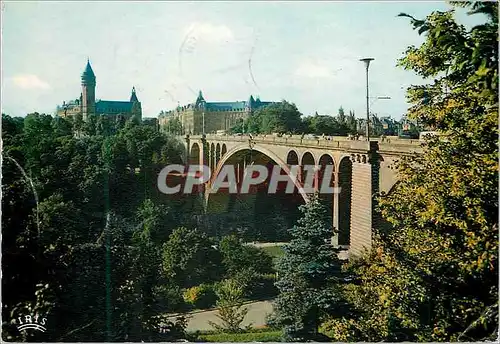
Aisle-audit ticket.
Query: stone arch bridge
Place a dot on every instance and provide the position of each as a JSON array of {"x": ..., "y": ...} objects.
[{"x": 360, "y": 169}]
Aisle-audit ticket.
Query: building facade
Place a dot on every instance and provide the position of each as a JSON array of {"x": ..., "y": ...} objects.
[
  {"x": 209, "y": 117},
  {"x": 88, "y": 105}
]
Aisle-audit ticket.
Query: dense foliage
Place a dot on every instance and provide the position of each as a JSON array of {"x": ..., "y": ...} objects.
[
  {"x": 306, "y": 273},
  {"x": 68, "y": 201},
  {"x": 432, "y": 275},
  {"x": 89, "y": 243},
  {"x": 87, "y": 239},
  {"x": 284, "y": 118}
]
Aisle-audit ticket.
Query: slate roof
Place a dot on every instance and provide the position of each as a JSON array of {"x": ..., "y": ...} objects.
[
  {"x": 113, "y": 106},
  {"x": 225, "y": 106},
  {"x": 133, "y": 97},
  {"x": 234, "y": 106},
  {"x": 88, "y": 74}
]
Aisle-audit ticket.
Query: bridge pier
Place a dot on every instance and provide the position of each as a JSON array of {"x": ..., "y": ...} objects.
[
  {"x": 361, "y": 170},
  {"x": 335, "y": 210},
  {"x": 364, "y": 187}
]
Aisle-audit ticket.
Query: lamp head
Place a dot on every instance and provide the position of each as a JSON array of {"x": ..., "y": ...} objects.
[{"x": 367, "y": 61}]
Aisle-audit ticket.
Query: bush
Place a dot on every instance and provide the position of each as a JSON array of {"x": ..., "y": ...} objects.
[
  {"x": 263, "y": 287},
  {"x": 169, "y": 298},
  {"x": 189, "y": 258},
  {"x": 201, "y": 296},
  {"x": 238, "y": 257},
  {"x": 342, "y": 330}
]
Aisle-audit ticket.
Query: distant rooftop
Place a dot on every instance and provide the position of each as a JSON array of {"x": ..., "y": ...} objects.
[{"x": 106, "y": 106}]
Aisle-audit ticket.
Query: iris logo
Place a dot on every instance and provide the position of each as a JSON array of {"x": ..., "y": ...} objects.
[{"x": 31, "y": 323}]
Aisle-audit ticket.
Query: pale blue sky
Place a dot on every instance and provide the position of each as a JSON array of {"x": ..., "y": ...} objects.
[{"x": 304, "y": 52}]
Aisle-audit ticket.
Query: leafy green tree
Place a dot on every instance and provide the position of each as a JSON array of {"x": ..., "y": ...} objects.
[
  {"x": 280, "y": 117},
  {"x": 239, "y": 127},
  {"x": 90, "y": 125},
  {"x": 104, "y": 126},
  {"x": 62, "y": 126},
  {"x": 53, "y": 224},
  {"x": 189, "y": 258},
  {"x": 245, "y": 264},
  {"x": 351, "y": 123},
  {"x": 230, "y": 308},
  {"x": 237, "y": 257},
  {"x": 140, "y": 301},
  {"x": 174, "y": 126},
  {"x": 306, "y": 272},
  {"x": 341, "y": 116},
  {"x": 432, "y": 274},
  {"x": 376, "y": 127},
  {"x": 326, "y": 125}
]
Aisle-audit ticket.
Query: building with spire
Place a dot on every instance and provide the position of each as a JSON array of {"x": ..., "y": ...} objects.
[
  {"x": 209, "y": 117},
  {"x": 87, "y": 104}
]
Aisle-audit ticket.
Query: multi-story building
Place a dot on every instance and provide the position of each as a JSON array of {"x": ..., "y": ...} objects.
[
  {"x": 87, "y": 104},
  {"x": 389, "y": 126},
  {"x": 209, "y": 117}
]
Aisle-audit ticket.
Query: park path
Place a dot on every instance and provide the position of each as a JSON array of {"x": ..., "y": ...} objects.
[
  {"x": 266, "y": 244},
  {"x": 256, "y": 316}
]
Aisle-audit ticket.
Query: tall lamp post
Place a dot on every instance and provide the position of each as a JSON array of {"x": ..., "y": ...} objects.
[
  {"x": 367, "y": 61},
  {"x": 203, "y": 122}
]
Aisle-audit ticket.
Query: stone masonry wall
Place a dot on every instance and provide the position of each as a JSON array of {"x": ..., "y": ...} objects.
[{"x": 361, "y": 204}]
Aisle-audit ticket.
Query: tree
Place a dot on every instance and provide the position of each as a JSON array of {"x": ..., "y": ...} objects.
[
  {"x": 376, "y": 127},
  {"x": 280, "y": 117},
  {"x": 243, "y": 263},
  {"x": 52, "y": 232},
  {"x": 305, "y": 275},
  {"x": 237, "y": 257},
  {"x": 351, "y": 123},
  {"x": 239, "y": 127},
  {"x": 174, "y": 126},
  {"x": 432, "y": 274},
  {"x": 341, "y": 116},
  {"x": 189, "y": 258},
  {"x": 229, "y": 304},
  {"x": 327, "y": 125}
]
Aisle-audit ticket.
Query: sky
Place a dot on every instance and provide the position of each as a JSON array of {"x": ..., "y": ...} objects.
[{"x": 304, "y": 52}]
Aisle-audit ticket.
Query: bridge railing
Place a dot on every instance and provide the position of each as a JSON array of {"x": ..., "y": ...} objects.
[{"x": 391, "y": 144}]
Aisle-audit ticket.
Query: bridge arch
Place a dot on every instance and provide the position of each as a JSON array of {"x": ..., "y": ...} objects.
[
  {"x": 212, "y": 155},
  {"x": 344, "y": 211},
  {"x": 307, "y": 158},
  {"x": 223, "y": 150},
  {"x": 194, "y": 154},
  {"x": 327, "y": 198},
  {"x": 292, "y": 158},
  {"x": 241, "y": 148},
  {"x": 217, "y": 153},
  {"x": 324, "y": 160}
]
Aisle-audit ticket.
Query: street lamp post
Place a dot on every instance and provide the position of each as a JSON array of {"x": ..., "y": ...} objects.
[
  {"x": 203, "y": 122},
  {"x": 367, "y": 61}
]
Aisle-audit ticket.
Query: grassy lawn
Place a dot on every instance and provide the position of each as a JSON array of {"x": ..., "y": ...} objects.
[
  {"x": 256, "y": 335},
  {"x": 273, "y": 251}
]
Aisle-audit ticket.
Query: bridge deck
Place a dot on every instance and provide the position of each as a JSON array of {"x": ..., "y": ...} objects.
[{"x": 387, "y": 145}]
